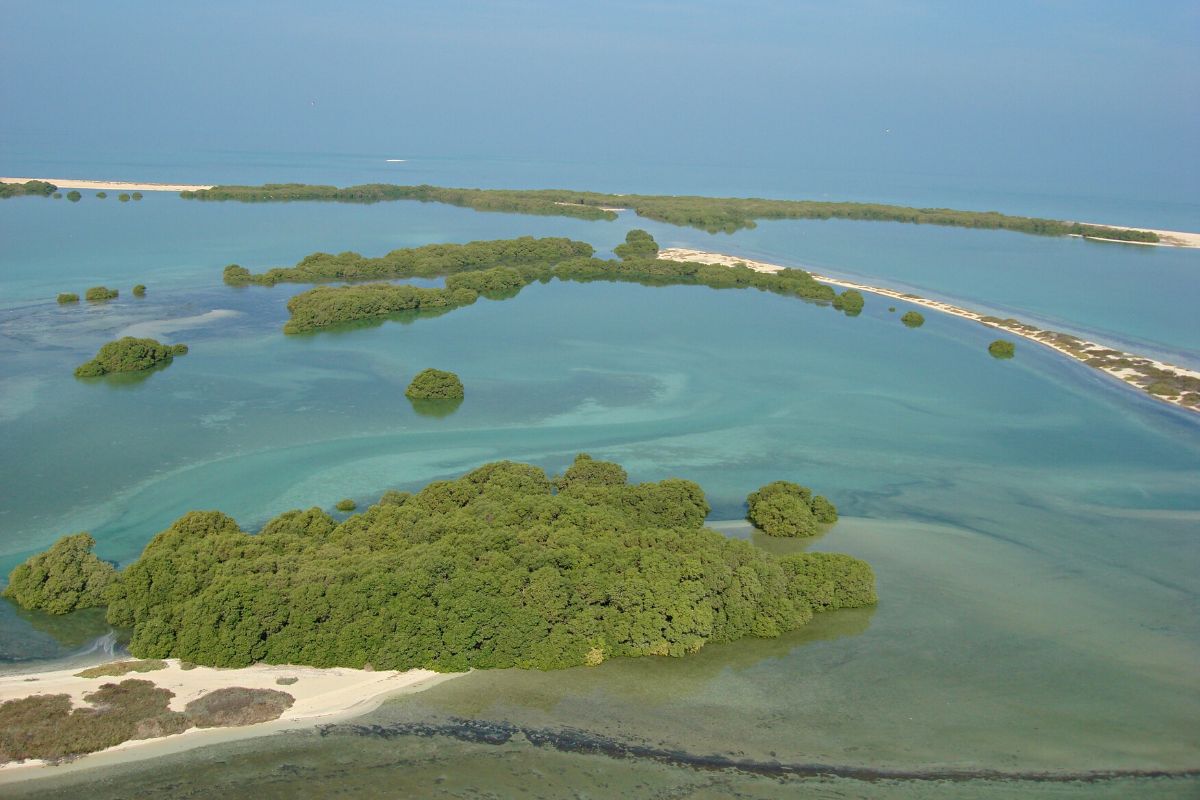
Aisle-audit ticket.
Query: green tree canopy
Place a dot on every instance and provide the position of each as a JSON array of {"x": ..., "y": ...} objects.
[
  {"x": 64, "y": 578},
  {"x": 129, "y": 354},
  {"x": 913, "y": 319},
  {"x": 435, "y": 384},
  {"x": 638, "y": 245},
  {"x": 1002, "y": 348},
  {"x": 783, "y": 508}
]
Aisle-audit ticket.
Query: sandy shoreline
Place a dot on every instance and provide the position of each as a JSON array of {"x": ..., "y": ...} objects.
[
  {"x": 116, "y": 186},
  {"x": 321, "y": 696},
  {"x": 1166, "y": 238},
  {"x": 1131, "y": 369}
]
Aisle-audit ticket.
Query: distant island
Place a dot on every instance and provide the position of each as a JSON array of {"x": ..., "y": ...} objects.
[
  {"x": 502, "y": 567},
  {"x": 129, "y": 354},
  {"x": 712, "y": 214}
]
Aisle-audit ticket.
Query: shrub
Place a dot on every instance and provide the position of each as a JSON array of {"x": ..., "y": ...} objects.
[
  {"x": 137, "y": 195},
  {"x": 394, "y": 498},
  {"x": 74, "y": 196},
  {"x": 68, "y": 297},
  {"x": 58, "y": 195},
  {"x": 435, "y": 384},
  {"x": 129, "y": 355},
  {"x": 1002, "y": 348},
  {"x": 913, "y": 319},
  {"x": 116, "y": 669},
  {"x": 638, "y": 245},
  {"x": 64, "y": 578},
  {"x": 139, "y": 290},
  {"x": 123, "y": 197},
  {"x": 783, "y": 508},
  {"x": 346, "y": 504},
  {"x": 586, "y": 471},
  {"x": 99, "y": 294},
  {"x": 286, "y": 681},
  {"x": 1163, "y": 388},
  {"x": 237, "y": 706},
  {"x": 101, "y": 195},
  {"x": 850, "y": 301}
]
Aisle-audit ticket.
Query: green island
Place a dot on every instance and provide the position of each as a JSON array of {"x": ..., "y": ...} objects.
[
  {"x": 502, "y": 567},
  {"x": 129, "y": 354},
  {"x": 326, "y": 306},
  {"x": 345, "y": 504},
  {"x": 27, "y": 189},
  {"x": 139, "y": 290},
  {"x": 67, "y": 297},
  {"x": 74, "y": 196},
  {"x": 100, "y": 294},
  {"x": 913, "y": 319},
  {"x": 783, "y": 508},
  {"x": 435, "y": 384},
  {"x": 712, "y": 214},
  {"x": 1002, "y": 348}
]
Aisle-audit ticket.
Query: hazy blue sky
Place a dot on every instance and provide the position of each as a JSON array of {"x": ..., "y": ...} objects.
[{"x": 1061, "y": 89}]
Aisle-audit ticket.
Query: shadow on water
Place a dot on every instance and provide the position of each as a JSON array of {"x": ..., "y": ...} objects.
[
  {"x": 71, "y": 631},
  {"x": 126, "y": 380},
  {"x": 436, "y": 408}
]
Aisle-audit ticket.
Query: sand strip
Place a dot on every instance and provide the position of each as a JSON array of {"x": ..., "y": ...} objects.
[
  {"x": 1129, "y": 368},
  {"x": 322, "y": 696},
  {"x": 116, "y": 186}
]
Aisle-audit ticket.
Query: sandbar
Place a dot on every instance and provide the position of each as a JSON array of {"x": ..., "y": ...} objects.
[
  {"x": 321, "y": 695},
  {"x": 1131, "y": 369},
  {"x": 116, "y": 186}
]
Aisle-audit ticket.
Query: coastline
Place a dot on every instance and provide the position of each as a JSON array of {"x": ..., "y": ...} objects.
[
  {"x": 321, "y": 696},
  {"x": 1165, "y": 238},
  {"x": 1133, "y": 370},
  {"x": 115, "y": 186}
]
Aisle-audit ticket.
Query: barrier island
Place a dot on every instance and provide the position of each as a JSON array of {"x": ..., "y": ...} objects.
[
  {"x": 712, "y": 214},
  {"x": 502, "y": 567}
]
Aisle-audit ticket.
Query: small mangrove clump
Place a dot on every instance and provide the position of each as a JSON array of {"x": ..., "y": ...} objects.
[
  {"x": 850, "y": 301},
  {"x": 117, "y": 669},
  {"x": 65, "y": 578},
  {"x": 74, "y": 196},
  {"x": 67, "y": 297},
  {"x": 137, "y": 195},
  {"x": 783, "y": 508},
  {"x": 101, "y": 195},
  {"x": 1002, "y": 348},
  {"x": 123, "y": 197},
  {"x": 346, "y": 504},
  {"x": 129, "y": 354},
  {"x": 638, "y": 245},
  {"x": 913, "y": 319},
  {"x": 435, "y": 384},
  {"x": 100, "y": 294},
  {"x": 139, "y": 290}
]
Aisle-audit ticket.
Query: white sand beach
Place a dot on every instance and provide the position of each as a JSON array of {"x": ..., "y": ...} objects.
[
  {"x": 321, "y": 696},
  {"x": 1080, "y": 350},
  {"x": 1166, "y": 238},
  {"x": 115, "y": 186}
]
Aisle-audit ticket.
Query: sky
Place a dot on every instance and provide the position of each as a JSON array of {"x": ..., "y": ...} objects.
[{"x": 1042, "y": 90}]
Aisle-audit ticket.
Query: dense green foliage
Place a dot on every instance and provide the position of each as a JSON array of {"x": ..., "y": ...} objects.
[
  {"x": 498, "y": 568},
  {"x": 99, "y": 294},
  {"x": 64, "y": 578},
  {"x": 137, "y": 195},
  {"x": 712, "y": 214},
  {"x": 129, "y": 354},
  {"x": 913, "y": 319},
  {"x": 102, "y": 195},
  {"x": 416, "y": 262},
  {"x": 435, "y": 384},
  {"x": 123, "y": 197},
  {"x": 638, "y": 245},
  {"x": 46, "y": 726},
  {"x": 74, "y": 196},
  {"x": 325, "y": 305},
  {"x": 68, "y": 297},
  {"x": 783, "y": 508},
  {"x": 346, "y": 504},
  {"x": 117, "y": 669},
  {"x": 850, "y": 301},
  {"x": 139, "y": 290},
  {"x": 28, "y": 188},
  {"x": 1002, "y": 348}
]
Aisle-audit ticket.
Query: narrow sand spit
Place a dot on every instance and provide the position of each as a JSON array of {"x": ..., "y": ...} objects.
[
  {"x": 1133, "y": 370},
  {"x": 115, "y": 186},
  {"x": 1166, "y": 238},
  {"x": 321, "y": 695}
]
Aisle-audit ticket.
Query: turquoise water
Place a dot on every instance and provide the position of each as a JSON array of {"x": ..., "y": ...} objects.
[{"x": 1032, "y": 523}]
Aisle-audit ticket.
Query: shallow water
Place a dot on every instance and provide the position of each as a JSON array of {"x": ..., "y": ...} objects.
[{"x": 1032, "y": 523}]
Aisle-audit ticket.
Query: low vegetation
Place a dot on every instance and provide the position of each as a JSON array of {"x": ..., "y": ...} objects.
[
  {"x": 102, "y": 195},
  {"x": 713, "y": 214},
  {"x": 117, "y": 669},
  {"x": 327, "y": 306},
  {"x": 123, "y": 197},
  {"x": 139, "y": 290},
  {"x": 27, "y": 189},
  {"x": 67, "y": 297},
  {"x": 129, "y": 354},
  {"x": 65, "y": 578},
  {"x": 503, "y": 567},
  {"x": 783, "y": 508},
  {"x": 913, "y": 319},
  {"x": 1002, "y": 348},
  {"x": 100, "y": 294},
  {"x": 74, "y": 196},
  {"x": 47, "y": 727},
  {"x": 345, "y": 504},
  {"x": 850, "y": 301},
  {"x": 435, "y": 384}
]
